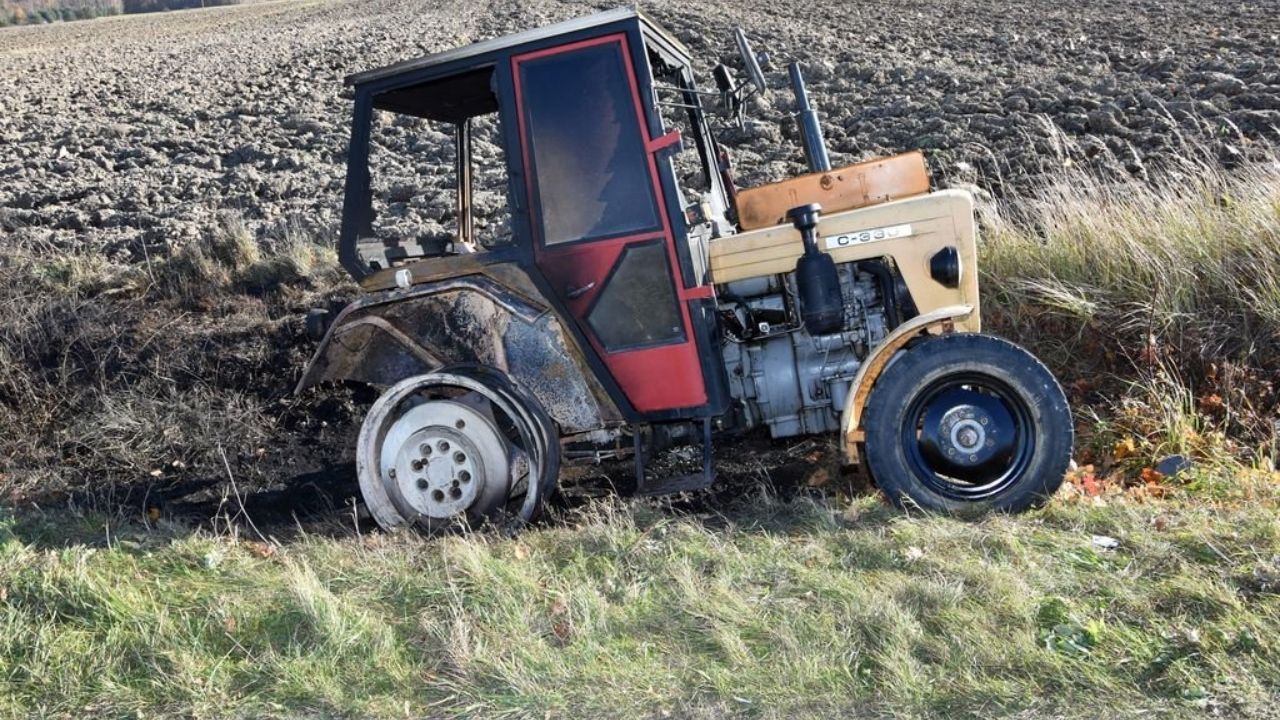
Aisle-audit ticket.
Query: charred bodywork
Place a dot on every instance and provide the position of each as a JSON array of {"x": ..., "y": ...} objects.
[{"x": 634, "y": 297}]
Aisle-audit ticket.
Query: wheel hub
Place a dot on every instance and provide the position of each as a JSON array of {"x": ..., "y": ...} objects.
[
  {"x": 443, "y": 458},
  {"x": 967, "y": 435},
  {"x": 440, "y": 466}
]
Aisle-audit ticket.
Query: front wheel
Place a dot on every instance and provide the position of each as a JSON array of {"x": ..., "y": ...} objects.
[{"x": 968, "y": 422}]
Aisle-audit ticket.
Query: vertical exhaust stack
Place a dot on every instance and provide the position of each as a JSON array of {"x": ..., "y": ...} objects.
[{"x": 815, "y": 148}]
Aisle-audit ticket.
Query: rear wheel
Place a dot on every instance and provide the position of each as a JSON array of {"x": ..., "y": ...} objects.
[
  {"x": 457, "y": 448},
  {"x": 968, "y": 422}
]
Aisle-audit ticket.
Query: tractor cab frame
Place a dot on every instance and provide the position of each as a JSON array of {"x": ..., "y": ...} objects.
[{"x": 605, "y": 239}]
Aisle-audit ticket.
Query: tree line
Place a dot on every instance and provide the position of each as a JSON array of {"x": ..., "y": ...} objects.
[{"x": 20, "y": 12}]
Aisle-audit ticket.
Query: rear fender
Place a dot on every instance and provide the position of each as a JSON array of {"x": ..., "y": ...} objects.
[{"x": 386, "y": 336}]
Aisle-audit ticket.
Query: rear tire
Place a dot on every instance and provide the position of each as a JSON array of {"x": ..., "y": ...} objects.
[
  {"x": 968, "y": 423},
  {"x": 457, "y": 448}
]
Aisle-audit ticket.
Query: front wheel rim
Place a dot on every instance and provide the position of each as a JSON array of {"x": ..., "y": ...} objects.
[{"x": 968, "y": 436}]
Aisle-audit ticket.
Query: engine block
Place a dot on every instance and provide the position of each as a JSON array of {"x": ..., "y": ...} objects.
[{"x": 781, "y": 375}]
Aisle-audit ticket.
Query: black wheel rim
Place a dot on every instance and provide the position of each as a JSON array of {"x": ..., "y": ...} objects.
[{"x": 968, "y": 436}]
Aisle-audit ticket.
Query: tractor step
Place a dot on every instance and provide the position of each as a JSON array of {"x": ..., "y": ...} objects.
[{"x": 680, "y": 483}]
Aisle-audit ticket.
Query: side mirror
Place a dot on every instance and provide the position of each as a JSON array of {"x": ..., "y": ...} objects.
[{"x": 750, "y": 61}]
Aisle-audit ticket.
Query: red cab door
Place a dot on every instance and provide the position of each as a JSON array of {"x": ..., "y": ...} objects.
[{"x": 601, "y": 237}]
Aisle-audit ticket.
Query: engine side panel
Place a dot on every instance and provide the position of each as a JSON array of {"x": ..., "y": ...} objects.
[{"x": 910, "y": 232}]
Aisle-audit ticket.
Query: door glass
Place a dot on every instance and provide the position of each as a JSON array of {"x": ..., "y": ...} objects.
[
  {"x": 637, "y": 307},
  {"x": 588, "y": 152}
]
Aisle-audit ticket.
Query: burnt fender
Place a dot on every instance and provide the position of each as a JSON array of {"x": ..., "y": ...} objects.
[{"x": 387, "y": 336}]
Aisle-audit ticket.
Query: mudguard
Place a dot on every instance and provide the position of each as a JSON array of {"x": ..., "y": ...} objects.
[{"x": 388, "y": 335}]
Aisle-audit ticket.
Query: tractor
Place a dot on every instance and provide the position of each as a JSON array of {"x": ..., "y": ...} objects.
[{"x": 630, "y": 298}]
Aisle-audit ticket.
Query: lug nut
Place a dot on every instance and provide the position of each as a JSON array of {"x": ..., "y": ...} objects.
[
  {"x": 460, "y": 424},
  {"x": 437, "y": 495},
  {"x": 455, "y": 493},
  {"x": 464, "y": 476},
  {"x": 443, "y": 445},
  {"x": 417, "y": 465},
  {"x": 425, "y": 450},
  {"x": 459, "y": 458},
  {"x": 423, "y": 484}
]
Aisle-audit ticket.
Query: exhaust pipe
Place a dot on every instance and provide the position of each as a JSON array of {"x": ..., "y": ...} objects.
[{"x": 815, "y": 148}]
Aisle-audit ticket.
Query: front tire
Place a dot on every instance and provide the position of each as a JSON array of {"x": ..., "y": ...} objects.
[{"x": 968, "y": 423}]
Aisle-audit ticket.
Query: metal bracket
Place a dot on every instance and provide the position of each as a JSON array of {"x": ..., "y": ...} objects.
[{"x": 679, "y": 483}]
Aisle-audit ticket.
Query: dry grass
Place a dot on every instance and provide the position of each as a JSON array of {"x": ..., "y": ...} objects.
[
  {"x": 110, "y": 372},
  {"x": 1157, "y": 307}
]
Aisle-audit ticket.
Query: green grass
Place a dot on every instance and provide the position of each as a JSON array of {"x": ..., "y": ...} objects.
[{"x": 773, "y": 610}]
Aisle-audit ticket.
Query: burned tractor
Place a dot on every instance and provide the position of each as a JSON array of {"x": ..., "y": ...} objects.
[{"x": 632, "y": 298}]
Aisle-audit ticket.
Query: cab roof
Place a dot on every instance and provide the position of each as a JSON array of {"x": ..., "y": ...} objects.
[{"x": 484, "y": 51}]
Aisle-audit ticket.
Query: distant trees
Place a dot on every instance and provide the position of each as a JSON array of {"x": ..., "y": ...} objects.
[{"x": 18, "y": 12}]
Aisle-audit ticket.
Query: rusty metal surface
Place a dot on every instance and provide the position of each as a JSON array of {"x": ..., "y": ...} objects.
[
  {"x": 845, "y": 188},
  {"x": 386, "y": 336}
]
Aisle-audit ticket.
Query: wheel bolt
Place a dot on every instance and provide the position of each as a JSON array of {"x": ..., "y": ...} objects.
[
  {"x": 443, "y": 445},
  {"x": 459, "y": 458},
  {"x": 425, "y": 450},
  {"x": 391, "y": 473},
  {"x": 423, "y": 484},
  {"x": 437, "y": 495},
  {"x": 460, "y": 424},
  {"x": 464, "y": 476},
  {"x": 417, "y": 465},
  {"x": 455, "y": 493}
]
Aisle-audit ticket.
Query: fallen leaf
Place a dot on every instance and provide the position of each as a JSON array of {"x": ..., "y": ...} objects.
[
  {"x": 1088, "y": 483},
  {"x": 156, "y": 473},
  {"x": 261, "y": 549},
  {"x": 4, "y": 594},
  {"x": 1151, "y": 476},
  {"x": 819, "y": 477},
  {"x": 914, "y": 553},
  {"x": 1212, "y": 404},
  {"x": 153, "y": 513},
  {"x": 229, "y": 624},
  {"x": 521, "y": 552},
  {"x": 1125, "y": 448},
  {"x": 1160, "y": 522}
]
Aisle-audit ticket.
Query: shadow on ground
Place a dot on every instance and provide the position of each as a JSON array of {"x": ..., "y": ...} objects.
[{"x": 325, "y": 501}]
